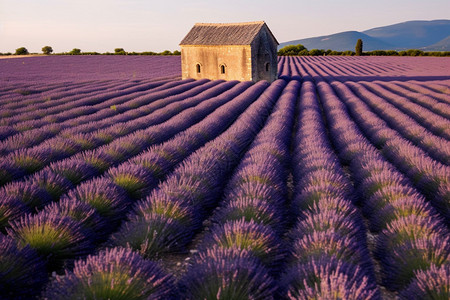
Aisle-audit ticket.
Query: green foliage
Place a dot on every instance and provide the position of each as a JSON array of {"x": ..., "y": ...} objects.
[
  {"x": 176, "y": 52},
  {"x": 359, "y": 47},
  {"x": 21, "y": 51},
  {"x": 316, "y": 52},
  {"x": 166, "y": 52},
  {"x": 75, "y": 51},
  {"x": 119, "y": 51},
  {"x": 291, "y": 50},
  {"x": 47, "y": 50}
]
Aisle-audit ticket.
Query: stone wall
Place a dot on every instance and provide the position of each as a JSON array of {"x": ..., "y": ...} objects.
[
  {"x": 236, "y": 61},
  {"x": 265, "y": 62}
]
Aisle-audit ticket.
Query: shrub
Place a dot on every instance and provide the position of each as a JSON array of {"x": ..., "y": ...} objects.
[
  {"x": 22, "y": 271},
  {"x": 21, "y": 51},
  {"x": 47, "y": 50},
  {"x": 291, "y": 50},
  {"x": 224, "y": 274},
  {"x": 116, "y": 273}
]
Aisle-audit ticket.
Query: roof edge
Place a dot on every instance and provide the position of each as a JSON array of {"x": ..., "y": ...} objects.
[{"x": 229, "y": 24}]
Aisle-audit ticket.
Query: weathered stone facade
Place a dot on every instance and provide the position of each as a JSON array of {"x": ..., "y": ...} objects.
[{"x": 235, "y": 51}]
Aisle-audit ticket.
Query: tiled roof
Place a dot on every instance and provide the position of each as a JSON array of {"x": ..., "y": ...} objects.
[{"x": 223, "y": 33}]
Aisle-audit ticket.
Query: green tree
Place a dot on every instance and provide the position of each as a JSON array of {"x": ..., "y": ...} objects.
[
  {"x": 316, "y": 52},
  {"x": 291, "y": 50},
  {"x": 75, "y": 51},
  {"x": 47, "y": 50},
  {"x": 359, "y": 47},
  {"x": 21, "y": 51},
  {"x": 119, "y": 51}
]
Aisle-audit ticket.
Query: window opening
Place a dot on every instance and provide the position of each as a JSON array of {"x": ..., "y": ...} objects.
[
  {"x": 267, "y": 67},
  {"x": 198, "y": 68},
  {"x": 222, "y": 69}
]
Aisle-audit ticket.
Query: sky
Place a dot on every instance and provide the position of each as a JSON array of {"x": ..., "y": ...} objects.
[{"x": 148, "y": 25}]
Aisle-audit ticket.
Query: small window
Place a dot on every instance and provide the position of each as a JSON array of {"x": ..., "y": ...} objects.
[
  {"x": 199, "y": 68},
  {"x": 222, "y": 69},
  {"x": 267, "y": 67}
]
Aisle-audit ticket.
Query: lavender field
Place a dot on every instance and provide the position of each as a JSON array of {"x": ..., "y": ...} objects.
[{"x": 119, "y": 180}]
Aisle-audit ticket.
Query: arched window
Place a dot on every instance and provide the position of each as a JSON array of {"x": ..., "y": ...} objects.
[
  {"x": 199, "y": 68},
  {"x": 267, "y": 67},
  {"x": 222, "y": 69}
]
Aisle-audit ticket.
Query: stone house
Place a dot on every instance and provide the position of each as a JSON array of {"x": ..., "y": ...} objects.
[{"x": 230, "y": 51}]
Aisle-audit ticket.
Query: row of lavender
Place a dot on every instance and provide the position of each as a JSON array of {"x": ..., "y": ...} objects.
[
  {"x": 69, "y": 69},
  {"x": 413, "y": 241},
  {"x": 421, "y": 154},
  {"x": 88, "y": 108},
  {"x": 99, "y": 130},
  {"x": 245, "y": 243},
  {"x": 49, "y": 184},
  {"x": 412, "y": 237},
  {"x": 80, "y": 217}
]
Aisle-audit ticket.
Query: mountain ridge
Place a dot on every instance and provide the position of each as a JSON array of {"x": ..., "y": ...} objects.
[{"x": 431, "y": 35}]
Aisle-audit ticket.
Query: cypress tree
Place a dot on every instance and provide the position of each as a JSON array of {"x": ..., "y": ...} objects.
[{"x": 359, "y": 47}]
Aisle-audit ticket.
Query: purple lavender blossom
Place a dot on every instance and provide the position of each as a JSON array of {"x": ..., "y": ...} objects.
[
  {"x": 134, "y": 179},
  {"x": 22, "y": 271},
  {"x": 401, "y": 264},
  {"x": 433, "y": 283},
  {"x": 55, "y": 238},
  {"x": 76, "y": 170},
  {"x": 83, "y": 213},
  {"x": 327, "y": 278},
  {"x": 258, "y": 239},
  {"x": 115, "y": 273},
  {"x": 55, "y": 185},
  {"x": 11, "y": 208},
  {"x": 34, "y": 196},
  {"x": 109, "y": 200},
  {"x": 227, "y": 273},
  {"x": 152, "y": 236}
]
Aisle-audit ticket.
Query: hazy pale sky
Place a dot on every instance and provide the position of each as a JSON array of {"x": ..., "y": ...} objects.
[{"x": 148, "y": 25}]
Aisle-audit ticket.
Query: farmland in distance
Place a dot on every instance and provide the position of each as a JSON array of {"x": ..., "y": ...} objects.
[{"x": 119, "y": 178}]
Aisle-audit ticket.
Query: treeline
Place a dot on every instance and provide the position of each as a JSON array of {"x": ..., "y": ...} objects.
[
  {"x": 47, "y": 50},
  {"x": 300, "y": 50}
]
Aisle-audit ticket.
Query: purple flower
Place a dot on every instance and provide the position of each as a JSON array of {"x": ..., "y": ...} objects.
[
  {"x": 115, "y": 273},
  {"x": 261, "y": 211},
  {"x": 83, "y": 213},
  {"x": 11, "y": 208},
  {"x": 34, "y": 196},
  {"x": 329, "y": 243},
  {"x": 325, "y": 220},
  {"x": 98, "y": 159},
  {"x": 76, "y": 170},
  {"x": 134, "y": 179},
  {"x": 22, "y": 271},
  {"x": 227, "y": 273},
  {"x": 408, "y": 228},
  {"x": 10, "y": 171},
  {"x": 433, "y": 283},
  {"x": 402, "y": 262},
  {"x": 163, "y": 204},
  {"x": 54, "y": 237},
  {"x": 29, "y": 160},
  {"x": 152, "y": 236},
  {"x": 109, "y": 200},
  {"x": 327, "y": 278},
  {"x": 258, "y": 239},
  {"x": 54, "y": 184}
]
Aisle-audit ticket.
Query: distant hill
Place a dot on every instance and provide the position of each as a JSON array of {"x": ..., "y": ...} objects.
[
  {"x": 442, "y": 45},
  {"x": 341, "y": 42},
  {"x": 424, "y": 35}
]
